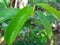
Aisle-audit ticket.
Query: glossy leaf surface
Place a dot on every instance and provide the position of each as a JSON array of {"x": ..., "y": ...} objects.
[{"x": 16, "y": 24}]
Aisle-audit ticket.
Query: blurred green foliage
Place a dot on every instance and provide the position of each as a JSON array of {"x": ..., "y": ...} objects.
[{"x": 34, "y": 30}]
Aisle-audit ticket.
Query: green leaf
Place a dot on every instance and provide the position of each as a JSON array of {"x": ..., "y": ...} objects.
[
  {"x": 7, "y": 14},
  {"x": 53, "y": 1},
  {"x": 6, "y": 2},
  {"x": 37, "y": 1},
  {"x": 49, "y": 9},
  {"x": 50, "y": 17},
  {"x": 16, "y": 24},
  {"x": 1, "y": 5},
  {"x": 43, "y": 0},
  {"x": 1, "y": 1},
  {"x": 45, "y": 23}
]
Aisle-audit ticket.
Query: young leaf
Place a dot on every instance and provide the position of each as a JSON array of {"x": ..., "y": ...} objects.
[
  {"x": 45, "y": 23},
  {"x": 16, "y": 24},
  {"x": 49, "y": 9}
]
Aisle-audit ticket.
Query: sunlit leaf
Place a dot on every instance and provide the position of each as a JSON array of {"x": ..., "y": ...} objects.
[
  {"x": 6, "y": 2},
  {"x": 49, "y": 9},
  {"x": 16, "y": 24}
]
